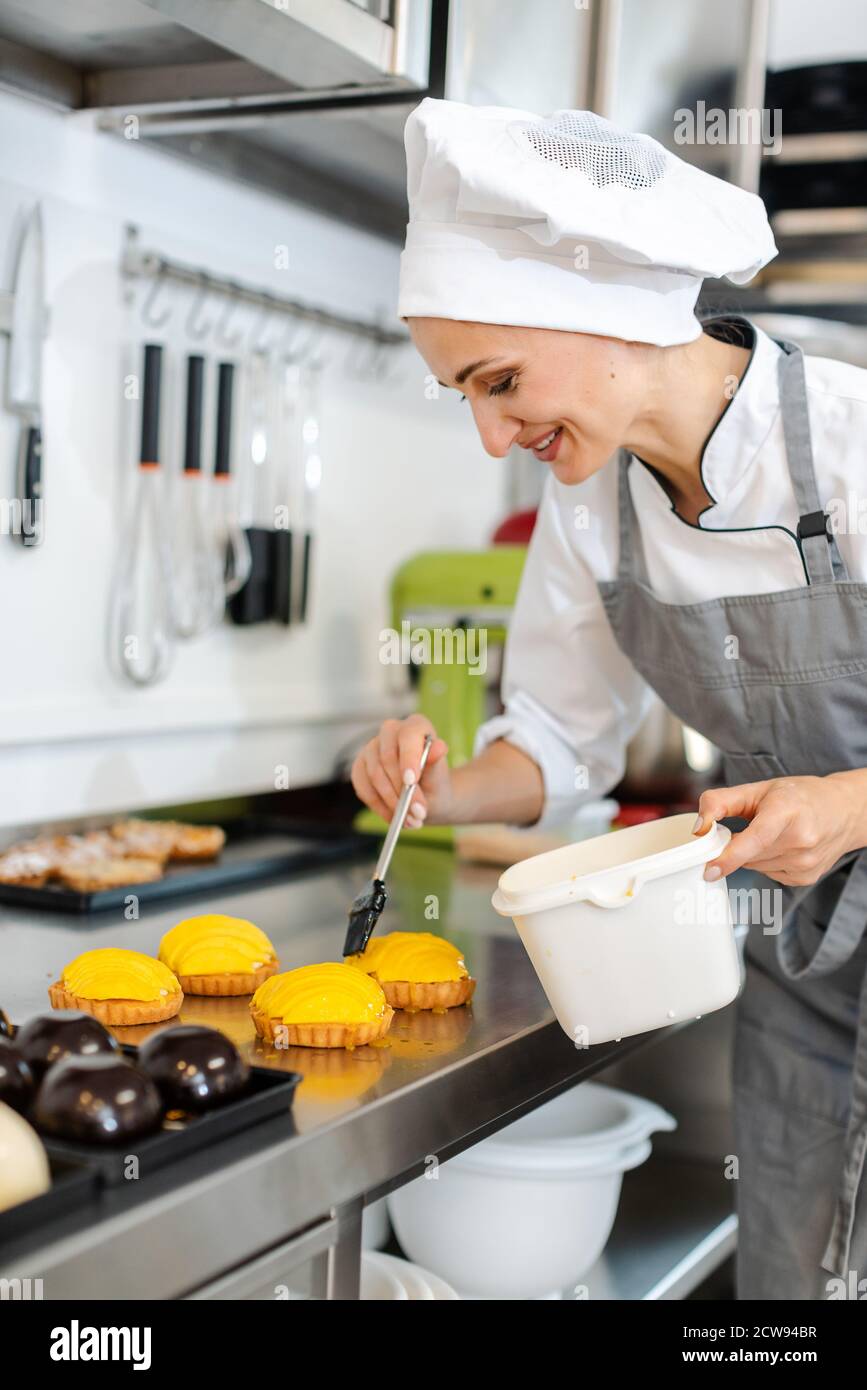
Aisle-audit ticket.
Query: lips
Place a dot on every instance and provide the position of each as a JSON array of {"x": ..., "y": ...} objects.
[{"x": 546, "y": 446}]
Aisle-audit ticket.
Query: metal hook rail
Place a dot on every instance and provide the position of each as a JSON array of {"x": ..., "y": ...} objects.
[{"x": 138, "y": 263}]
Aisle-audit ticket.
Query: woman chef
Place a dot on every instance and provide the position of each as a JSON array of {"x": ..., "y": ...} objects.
[{"x": 682, "y": 546}]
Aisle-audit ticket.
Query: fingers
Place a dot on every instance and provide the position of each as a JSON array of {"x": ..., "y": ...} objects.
[
  {"x": 378, "y": 777},
  {"x": 752, "y": 845},
  {"x": 719, "y": 802},
  {"x": 743, "y": 800},
  {"x": 389, "y": 755},
  {"x": 389, "y": 763},
  {"x": 366, "y": 791},
  {"x": 410, "y": 742},
  {"x": 415, "y": 816},
  {"x": 411, "y": 737}
]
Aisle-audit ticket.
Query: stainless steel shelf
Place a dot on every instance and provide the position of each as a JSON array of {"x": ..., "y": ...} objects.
[
  {"x": 675, "y": 1226},
  {"x": 363, "y": 1123},
  {"x": 833, "y": 146}
]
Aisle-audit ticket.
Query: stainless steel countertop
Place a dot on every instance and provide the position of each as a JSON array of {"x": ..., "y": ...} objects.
[{"x": 362, "y": 1120}]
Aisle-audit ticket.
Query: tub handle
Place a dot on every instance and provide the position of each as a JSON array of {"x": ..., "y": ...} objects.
[
  {"x": 627, "y": 896},
  {"x": 630, "y": 893}
]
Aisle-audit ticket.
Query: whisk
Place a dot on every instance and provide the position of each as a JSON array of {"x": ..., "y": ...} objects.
[{"x": 141, "y": 620}]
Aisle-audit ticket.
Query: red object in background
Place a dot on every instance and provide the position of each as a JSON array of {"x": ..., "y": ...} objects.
[
  {"x": 516, "y": 529},
  {"x": 638, "y": 814}
]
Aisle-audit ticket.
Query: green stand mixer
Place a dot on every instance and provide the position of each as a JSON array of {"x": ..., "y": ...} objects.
[{"x": 449, "y": 609}]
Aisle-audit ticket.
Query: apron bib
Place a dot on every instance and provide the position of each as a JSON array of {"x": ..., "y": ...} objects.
[{"x": 788, "y": 698}]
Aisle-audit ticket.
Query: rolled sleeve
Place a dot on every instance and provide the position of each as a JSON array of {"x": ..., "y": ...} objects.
[{"x": 572, "y": 699}]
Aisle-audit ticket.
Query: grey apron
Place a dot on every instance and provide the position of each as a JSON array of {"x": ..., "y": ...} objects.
[{"x": 793, "y": 701}]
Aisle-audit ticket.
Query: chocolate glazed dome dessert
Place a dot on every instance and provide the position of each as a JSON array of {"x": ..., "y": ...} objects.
[
  {"x": 16, "y": 1079},
  {"x": 48, "y": 1038},
  {"x": 195, "y": 1068},
  {"x": 100, "y": 1100}
]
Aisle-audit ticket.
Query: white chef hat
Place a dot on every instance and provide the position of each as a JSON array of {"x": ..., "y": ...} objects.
[{"x": 565, "y": 221}]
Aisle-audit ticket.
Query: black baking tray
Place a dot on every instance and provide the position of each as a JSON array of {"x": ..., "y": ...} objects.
[
  {"x": 269, "y": 1093},
  {"x": 73, "y": 1182},
  {"x": 257, "y": 848}
]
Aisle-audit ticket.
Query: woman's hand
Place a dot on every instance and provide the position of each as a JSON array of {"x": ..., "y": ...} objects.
[
  {"x": 799, "y": 826},
  {"x": 390, "y": 762},
  {"x": 501, "y": 784}
]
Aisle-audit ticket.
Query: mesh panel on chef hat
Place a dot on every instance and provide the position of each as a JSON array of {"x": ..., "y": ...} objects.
[{"x": 591, "y": 146}]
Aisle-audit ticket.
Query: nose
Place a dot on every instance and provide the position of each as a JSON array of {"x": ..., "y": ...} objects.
[{"x": 497, "y": 430}]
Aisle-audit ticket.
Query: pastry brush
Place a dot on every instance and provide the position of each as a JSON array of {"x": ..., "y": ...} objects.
[{"x": 367, "y": 908}]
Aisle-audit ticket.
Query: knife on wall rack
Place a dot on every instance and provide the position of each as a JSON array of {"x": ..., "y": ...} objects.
[{"x": 23, "y": 316}]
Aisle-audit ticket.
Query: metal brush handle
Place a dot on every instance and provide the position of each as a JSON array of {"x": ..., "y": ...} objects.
[{"x": 399, "y": 817}]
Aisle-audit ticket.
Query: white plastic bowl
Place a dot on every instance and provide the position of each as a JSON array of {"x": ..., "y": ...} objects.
[
  {"x": 378, "y": 1282},
  {"x": 415, "y": 1280},
  {"x": 623, "y": 931},
  {"x": 527, "y": 1213}
]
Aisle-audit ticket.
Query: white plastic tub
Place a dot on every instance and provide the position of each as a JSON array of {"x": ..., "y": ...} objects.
[
  {"x": 623, "y": 931},
  {"x": 526, "y": 1213}
]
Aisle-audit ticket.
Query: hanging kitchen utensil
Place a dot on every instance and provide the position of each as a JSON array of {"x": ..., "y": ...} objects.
[
  {"x": 141, "y": 627},
  {"x": 290, "y": 455},
  {"x": 253, "y": 603},
  {"x": 231, "y": 539},
  {"x": 367, "y": 908},
  {"x": 197, "y": 565},
  {"x": 24, "y": 377},
  {"x": 311, "y": 459}
]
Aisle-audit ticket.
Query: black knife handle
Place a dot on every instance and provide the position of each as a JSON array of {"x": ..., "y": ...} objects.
[
  {"x": 223, "y": 446},
  {"x": 282, "y": 541},
  {"x": 306, "y": 558},
  {"x": 150, "y": 404},
  {"x": 30, "y": 485},
  {"x": 193, "y": 434}
]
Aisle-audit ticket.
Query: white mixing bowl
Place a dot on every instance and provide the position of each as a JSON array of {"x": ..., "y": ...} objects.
[
  {"x": 623, "y": 931},
  {"x": 529, "y": 1211}
]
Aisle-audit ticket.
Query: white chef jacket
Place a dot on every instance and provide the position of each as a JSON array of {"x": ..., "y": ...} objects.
[{"x": 572, "y": 698}]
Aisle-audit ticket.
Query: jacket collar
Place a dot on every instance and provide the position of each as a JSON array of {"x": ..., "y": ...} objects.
[{"x": 743, "y": 429}]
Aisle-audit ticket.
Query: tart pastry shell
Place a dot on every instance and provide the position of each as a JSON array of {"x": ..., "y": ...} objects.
[
  {"x": 437, "y": 994},
  {"x": 229, "y": 984},
  {"x": 321, "y": 1034},
  {"x": 117, "y": 1013}
]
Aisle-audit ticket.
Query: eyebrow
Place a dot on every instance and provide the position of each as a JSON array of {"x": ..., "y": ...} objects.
[{"x": 461, "y": 376}]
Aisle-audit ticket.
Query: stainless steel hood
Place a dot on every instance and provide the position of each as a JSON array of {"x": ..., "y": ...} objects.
[{"x": 304, "y": 97}]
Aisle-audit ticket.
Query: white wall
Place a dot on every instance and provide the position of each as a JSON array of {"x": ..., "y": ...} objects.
[
  {"x": 802, "y": 32},
  {"x": 401, "y": 473},
  {"x": 511, "y": 53}
]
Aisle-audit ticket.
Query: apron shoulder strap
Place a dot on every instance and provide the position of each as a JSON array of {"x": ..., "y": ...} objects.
[{"x": 822, "y": 558}]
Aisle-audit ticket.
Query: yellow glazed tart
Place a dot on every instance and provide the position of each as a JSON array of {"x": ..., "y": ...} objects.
[
  {"x": 120, "y": 988},
  {"x": 218, "y": 955},
  {"x": 330, "y": 1005},
  {"x": 417, "y": 970}
]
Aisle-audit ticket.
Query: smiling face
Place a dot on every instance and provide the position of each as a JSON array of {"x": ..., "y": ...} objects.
[{"x": 572, "y": 398}]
